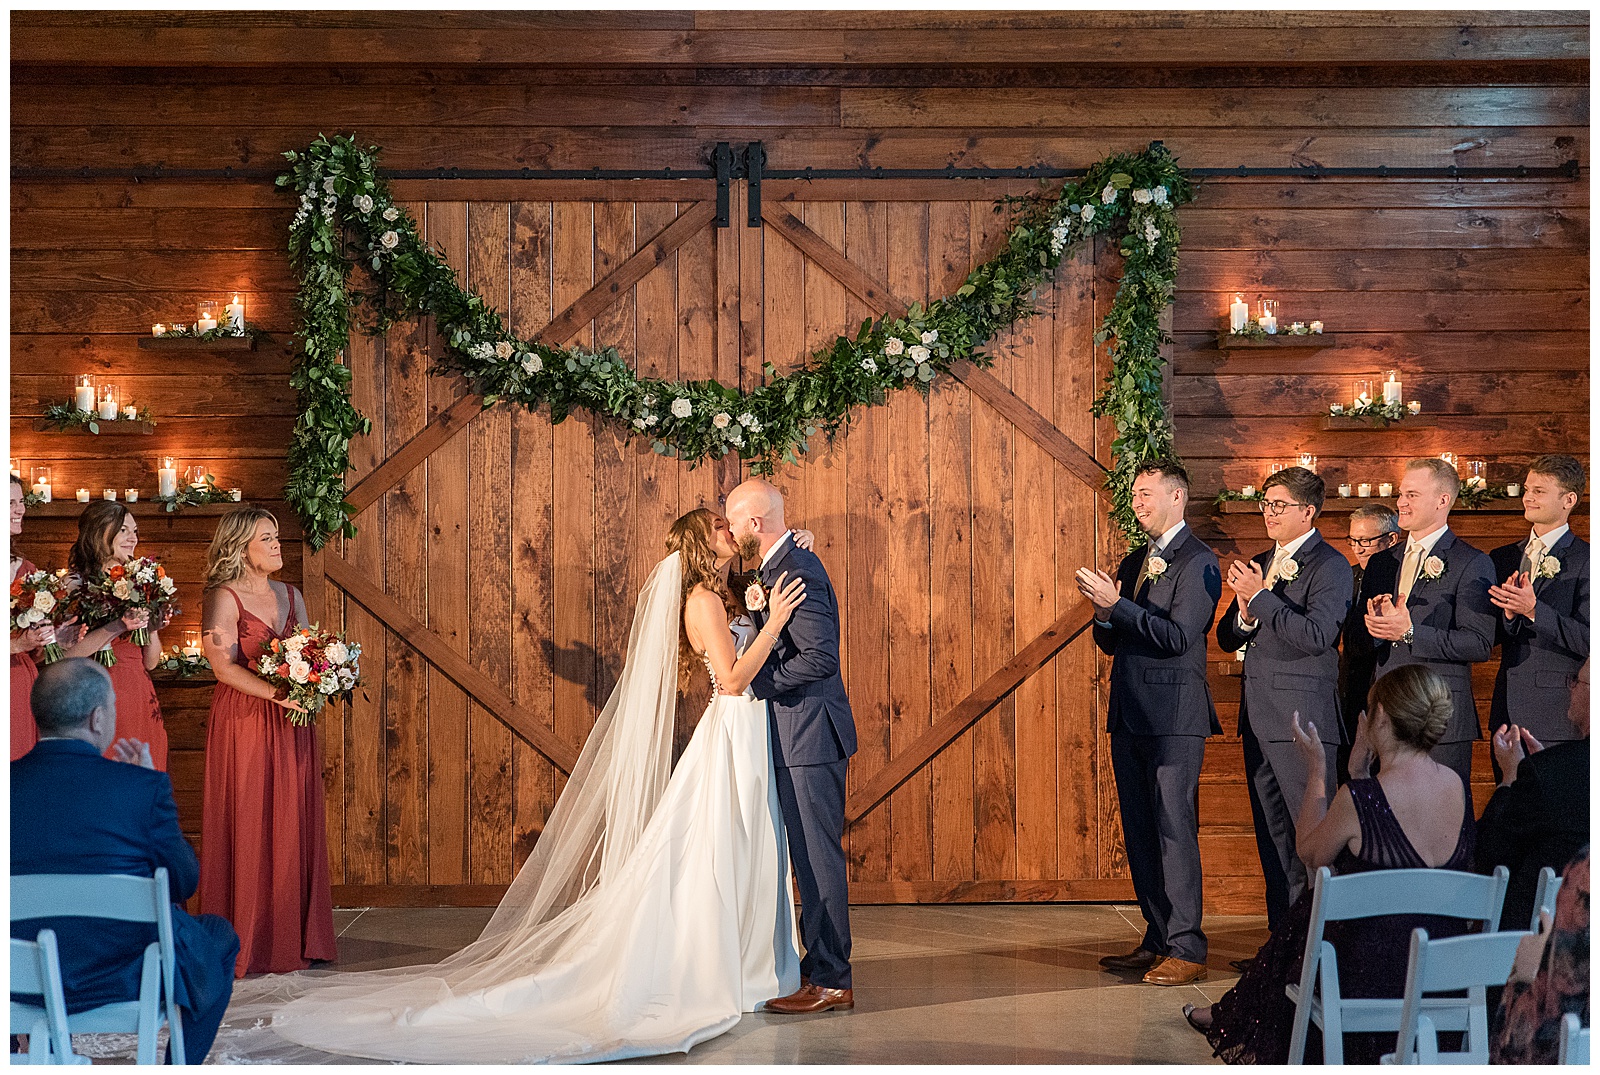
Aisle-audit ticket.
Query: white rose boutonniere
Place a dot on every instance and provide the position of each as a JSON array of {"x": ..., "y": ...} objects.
[
  {"x": 755, "y": 598},
  {"x": 1549, "y": 568},
  {"x": 1289, "y": 570},
  {"x": 1155, "y": 568},
  {"x": 1433, "y": 569}
]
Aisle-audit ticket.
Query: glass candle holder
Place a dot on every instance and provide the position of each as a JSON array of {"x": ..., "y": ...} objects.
[
  {"x": 206, "y": 311},
  {"x": 1269, "y": 316},
  {"x": 39, "y": 482},
  {"x": 167, "y": 476},
  {"x": 1308, "y": 461},
  {"x": 15, "y": 469},
  {"x": 83, "y": 392},
  {"x": 109, "y": 400},
  {"x": 195, "y": 476},
  {"x": 1451, "y": 458},
  {"x": 1393, "y": 390},
  {"x": 1274, "y": 468},
  {"x": 1361, "y": 392}
]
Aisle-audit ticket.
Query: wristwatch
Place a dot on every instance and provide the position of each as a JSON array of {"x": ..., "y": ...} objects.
[{"x": 1409, "y": 635}]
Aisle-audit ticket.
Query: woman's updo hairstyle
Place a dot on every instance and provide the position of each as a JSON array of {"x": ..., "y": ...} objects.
[{"x": 1417, "y": 702}]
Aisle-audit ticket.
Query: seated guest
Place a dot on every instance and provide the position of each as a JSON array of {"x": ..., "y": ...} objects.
[
  {"x": 1549, "y": 978},
  {"x": 1373, "y": 528},
  {"x": 74, "y": 811},
  {"x": 1414, "y": 814},
  {"x": 1539, "y": 815},
  {"x": 1543, "y": 603}
]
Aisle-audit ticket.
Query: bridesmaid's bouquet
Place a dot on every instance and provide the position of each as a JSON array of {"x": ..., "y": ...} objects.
[
  {"x": 33, "y": 598},
  {"x": 140, "y": 583},
  {"x": 313, "y": 666}
]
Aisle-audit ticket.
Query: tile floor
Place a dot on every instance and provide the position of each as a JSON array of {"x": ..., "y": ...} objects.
[{"x": 958, "y": 984}]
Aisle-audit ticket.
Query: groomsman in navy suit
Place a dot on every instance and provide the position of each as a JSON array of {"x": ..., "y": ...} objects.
[
  {"x": 1544, "y": 607},
  {"x": 1427, "y": 602},
  {"x": 1153, "y": 619},
  {"x": 1288, "y": 608},
  {"x": 74, "y": 811}
]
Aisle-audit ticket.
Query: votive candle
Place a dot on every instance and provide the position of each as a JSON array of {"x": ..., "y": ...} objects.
[
  {"x": 1364, "y": 489},
  {"x": 1414, "y": 407},
  {"x": 131, "y": 495},
  {"x": 1385, "y": 489},
  {"x": 130, "y": 413},
  {"x": 1513, "y": 489},
  {"x": 108, "y": 494},
  {"x": 83, "y": 496},
  {"x": 1344, "y": 489},
  {"x": 1248, "y": 490}
]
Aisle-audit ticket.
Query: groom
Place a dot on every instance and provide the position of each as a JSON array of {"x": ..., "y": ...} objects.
[{"x": 813, "y": 736}]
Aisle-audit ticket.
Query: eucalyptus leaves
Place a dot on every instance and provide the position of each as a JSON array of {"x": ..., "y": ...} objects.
[{"x": 346, "y": 214}]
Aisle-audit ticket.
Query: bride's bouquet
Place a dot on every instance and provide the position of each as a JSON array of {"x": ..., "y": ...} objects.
[
  {"x": 314, "y": 666},
  {"x": 140, "y": 583},
  {"x": 33, "y": 598}
]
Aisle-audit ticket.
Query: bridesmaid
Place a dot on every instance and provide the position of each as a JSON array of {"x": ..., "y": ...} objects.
[
  {"x": 264, "y": 855},
  {"x": 109, "y": 534},
  {"x": 24, "y": 669}
]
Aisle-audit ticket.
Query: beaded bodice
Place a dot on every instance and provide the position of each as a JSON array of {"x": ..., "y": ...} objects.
[{"x": 743, "y": 631}]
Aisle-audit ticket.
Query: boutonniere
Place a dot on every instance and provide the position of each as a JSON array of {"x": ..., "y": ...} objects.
[
  {"x": 1289, "y": 570},
  {"x": 1433, "y": 569},
  {"x": 1154, "y": 568},
  {"x": 1549, "y": 567},
  {"x": 755, "y": 598}
]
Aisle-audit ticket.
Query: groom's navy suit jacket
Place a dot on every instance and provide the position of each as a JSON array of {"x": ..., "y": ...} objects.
[
  {"x": 800, "y": 682},
  {"x": 1540, "y": 659}
]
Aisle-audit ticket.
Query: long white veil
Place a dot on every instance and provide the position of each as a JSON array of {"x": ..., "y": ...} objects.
[{"x": 441, "y": 1011}]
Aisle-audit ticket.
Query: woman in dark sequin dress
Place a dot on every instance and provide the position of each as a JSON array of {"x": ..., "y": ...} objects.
[
  {"x": 1415, "y": 814},
  {"x": 1550, "y": 978}
]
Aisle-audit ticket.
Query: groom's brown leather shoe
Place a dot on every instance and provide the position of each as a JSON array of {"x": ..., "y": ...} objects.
[
  {"x": 813, "y": 998},
  {"x": 1138, "y": 959},
  {"x": 1174, "y": 971}
]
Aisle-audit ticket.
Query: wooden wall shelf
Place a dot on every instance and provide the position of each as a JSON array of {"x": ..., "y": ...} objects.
[
  {"x": 163, "y": 678},
  {"x": 1227, "y": 341},
  {"x": 71, "y": 509},
  {"x": 1339, "y": 423},
  {"x": 119, "y": 427},
  {"x": 1344, "y": 505},
  {"x": 190, "y": 343}
]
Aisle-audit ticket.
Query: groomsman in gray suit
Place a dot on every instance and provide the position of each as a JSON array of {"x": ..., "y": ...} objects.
[
  {"x": 1427, "y": 602},
  {"x": 1288, "y": 608},
  {"x": 1153, "y": 619},
  {"x": 1544, "y": 608}
]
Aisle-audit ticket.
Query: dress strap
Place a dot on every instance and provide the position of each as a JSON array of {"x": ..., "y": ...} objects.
[
  {"x": 293, "y": 621},
  {"x": 236, "y": 600}
]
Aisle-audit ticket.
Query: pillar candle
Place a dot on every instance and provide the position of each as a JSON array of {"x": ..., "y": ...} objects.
[
  {"x": 1238, "y": 314},
  {"x": 1392, "y": 388},
  {"x": 235, "y": 315},
  {"x": 83, "y": 394},
  {"x": 42, "y": 491},
  {"x": 108, "y": 409},
  {"x": 167, "y": 481}
]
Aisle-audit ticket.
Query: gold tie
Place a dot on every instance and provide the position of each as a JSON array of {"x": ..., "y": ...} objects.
[
  {"x": 1272, "y": 569},
  {"x": 1533, "y": 557},
  {"x": 1408, "y": 571}
]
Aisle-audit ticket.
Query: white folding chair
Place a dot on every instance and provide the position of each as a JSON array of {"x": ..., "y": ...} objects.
[
  {"x": 35, "y": 968},
  {"x": 1455, "y": 963},
  {"x": 123, "y": 899},
  {"x": 1574, "y": 1041},
  {"x": 1544, "y": 897},
  {"x": 1378, "y": 893}
]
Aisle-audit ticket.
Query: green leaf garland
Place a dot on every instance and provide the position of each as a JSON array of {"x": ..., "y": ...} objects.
[{"x": 347, "y": 217}]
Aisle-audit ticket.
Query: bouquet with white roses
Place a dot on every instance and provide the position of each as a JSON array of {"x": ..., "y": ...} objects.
[
  {"x": 34, "y": 597},
  {"x": 312, "y": 666},
  {"x": 140, "y": 583}
]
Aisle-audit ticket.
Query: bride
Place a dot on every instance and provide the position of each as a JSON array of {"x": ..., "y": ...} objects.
[{"x": 652, "y": 911}]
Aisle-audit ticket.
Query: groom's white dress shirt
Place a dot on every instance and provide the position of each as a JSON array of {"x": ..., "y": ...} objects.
[{"x": 776, "y": 545}]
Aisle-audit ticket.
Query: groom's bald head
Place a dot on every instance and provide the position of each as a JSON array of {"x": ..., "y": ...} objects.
[{"x": 755, "y": 510}]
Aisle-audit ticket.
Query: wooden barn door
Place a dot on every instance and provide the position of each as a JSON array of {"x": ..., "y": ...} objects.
[{"x": 493, "y": 579}]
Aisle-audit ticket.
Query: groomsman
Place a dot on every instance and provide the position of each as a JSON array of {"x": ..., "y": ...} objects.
[
  {"x": 1427, "y": 602},
  {"x": 1153, "y": 619},
  {"x": 1289, "y": 605},
  {"x": 1373, "y": 528},
  {"x": 1544, "y": 607}
]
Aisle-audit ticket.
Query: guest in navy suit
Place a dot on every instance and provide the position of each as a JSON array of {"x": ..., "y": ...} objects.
[
  {"x": 1544, "y": 607},
  {"x": 1427, "y": 602},
  {"x": 1289, "y": 605},
  {"x": 1153, "y": 619},
  {"x": 813, "y": 736},
  {"x": 76, "y": 812},
  {"x": 1373, "y": 528}
]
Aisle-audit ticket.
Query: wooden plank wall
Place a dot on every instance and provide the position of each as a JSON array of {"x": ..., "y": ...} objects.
[{"x": 1476, "y": 290}]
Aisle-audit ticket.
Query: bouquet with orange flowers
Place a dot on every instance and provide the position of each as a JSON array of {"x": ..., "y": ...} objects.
[
  {"x": 312, "y": 665},
  {"x": 140, "y": 583},
  {"x": 34, "y": 597}
]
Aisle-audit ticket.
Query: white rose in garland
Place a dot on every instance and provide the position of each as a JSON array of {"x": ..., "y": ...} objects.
[
  {"x": 721, "y": 419},
  {"x": 363, "y": 202},
  {"x": 817, "y": 396}
]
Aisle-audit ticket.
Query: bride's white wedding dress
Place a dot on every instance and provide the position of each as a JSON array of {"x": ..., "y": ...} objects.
[{"x": 651, "y": 914}]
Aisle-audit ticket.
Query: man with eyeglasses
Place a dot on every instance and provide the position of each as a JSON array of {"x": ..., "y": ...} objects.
[
  {"x": 1544, "y": 609},
  {"x": 1428, "y": 603},
  {"x": 1373, "y": 528},
  {"x": 1288, "y": 608}
]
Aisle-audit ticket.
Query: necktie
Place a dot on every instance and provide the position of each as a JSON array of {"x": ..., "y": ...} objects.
[
  {"x": 1408, "y": 570},
  {"x": 1273, "y": 568},
  {"x": 1532, "y": 558}
]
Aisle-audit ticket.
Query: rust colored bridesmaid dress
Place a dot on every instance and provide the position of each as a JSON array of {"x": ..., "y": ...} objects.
[
  {"x": 264, "y": 840},
  {"x": 138, "y": 711},
  {"x": 24, "y": 733}
]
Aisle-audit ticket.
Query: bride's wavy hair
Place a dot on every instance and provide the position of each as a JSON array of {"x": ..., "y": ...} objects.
[{"x": 691, "y": 536}]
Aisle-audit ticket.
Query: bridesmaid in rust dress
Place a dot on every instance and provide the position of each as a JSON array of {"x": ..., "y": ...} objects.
[
  {"x": 264, "y": 853},
  {"x": 24, "y": 644},
  {"x": 109, "y": 534}
]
